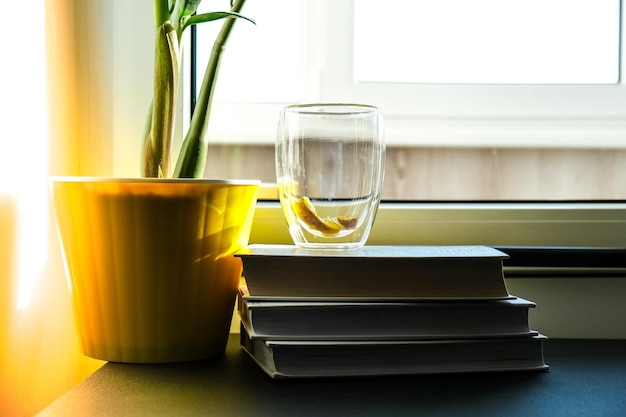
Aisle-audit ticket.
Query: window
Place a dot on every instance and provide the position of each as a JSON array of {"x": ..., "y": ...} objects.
[
  {"x": 267, "y": 64},
  {"x": 487, "y": 42},
  {"x": 446, "y": 73},
  {"x": 526, "y": 132}
]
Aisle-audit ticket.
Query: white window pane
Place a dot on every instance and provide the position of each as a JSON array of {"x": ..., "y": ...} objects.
[
  {"x": 487, "y": 41},
  {"x": 263, "y": 63}
]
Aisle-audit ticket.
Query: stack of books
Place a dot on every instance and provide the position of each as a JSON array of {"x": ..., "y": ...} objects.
[{"x": 383, "y": 310}]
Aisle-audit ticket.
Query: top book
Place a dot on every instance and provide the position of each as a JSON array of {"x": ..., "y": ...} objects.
[{"x": 374, "y": 272}]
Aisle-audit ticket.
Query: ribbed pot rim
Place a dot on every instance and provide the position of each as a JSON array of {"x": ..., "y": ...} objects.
[{"x": 143, "y": 180}]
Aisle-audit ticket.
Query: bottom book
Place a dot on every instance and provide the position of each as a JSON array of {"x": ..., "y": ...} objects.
[{"x": 314, "y": 359}]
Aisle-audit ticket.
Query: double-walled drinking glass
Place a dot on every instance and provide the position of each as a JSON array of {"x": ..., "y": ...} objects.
[{"x": 330, "y": 166}]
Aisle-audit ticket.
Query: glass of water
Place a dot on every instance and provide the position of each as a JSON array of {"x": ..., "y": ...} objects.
[{"x": 330, "y": 166}]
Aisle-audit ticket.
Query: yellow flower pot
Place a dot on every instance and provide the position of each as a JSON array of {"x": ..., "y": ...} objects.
[{"x": 150, "y": 263}]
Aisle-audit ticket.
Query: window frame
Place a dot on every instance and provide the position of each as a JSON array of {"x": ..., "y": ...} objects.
[{"x": 536, "y": 116}]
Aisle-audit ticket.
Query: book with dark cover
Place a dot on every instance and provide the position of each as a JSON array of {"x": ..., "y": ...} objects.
[
  {"x": 314, "y": 359},
  {"x": 375, "y": 271},
  {"x": 346, "y": 319}
]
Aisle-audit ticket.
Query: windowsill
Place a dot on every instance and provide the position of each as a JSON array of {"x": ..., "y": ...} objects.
[
  {"x": 533, "y": 224},
  {"x": 586, "y": 378},
  {"x": 539, "y": 255}
]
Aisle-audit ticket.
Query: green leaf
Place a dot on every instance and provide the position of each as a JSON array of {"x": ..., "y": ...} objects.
[
  {"x": 212, "y": 16},
  {"x": 181, "y": 10},
  {"x": 190, "y": 7}
]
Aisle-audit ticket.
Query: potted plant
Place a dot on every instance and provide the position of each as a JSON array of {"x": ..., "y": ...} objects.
[{"x": 150, "y": 260}]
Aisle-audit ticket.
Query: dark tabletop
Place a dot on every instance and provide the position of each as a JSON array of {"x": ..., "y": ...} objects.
[{"x": 587, "y": 378}]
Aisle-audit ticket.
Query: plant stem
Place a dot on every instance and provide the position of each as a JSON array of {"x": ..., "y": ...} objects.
[
  {"x": 161, "y": 12},
  {"x": 157, "y": 144},
  {"x": 192, "y": 158}
]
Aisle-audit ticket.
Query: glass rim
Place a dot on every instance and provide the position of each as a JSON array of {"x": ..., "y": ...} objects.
[{"x": 332, "y": 109}]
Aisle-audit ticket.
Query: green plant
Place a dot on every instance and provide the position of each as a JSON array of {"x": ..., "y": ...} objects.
[{"x": 172, "y": 17}]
